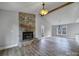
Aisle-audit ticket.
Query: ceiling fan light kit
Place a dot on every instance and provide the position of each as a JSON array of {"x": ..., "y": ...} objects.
[{"x": 43, "y": 11}]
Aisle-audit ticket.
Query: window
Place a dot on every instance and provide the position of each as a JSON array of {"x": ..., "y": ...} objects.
[{"x": 61, "y": 29}]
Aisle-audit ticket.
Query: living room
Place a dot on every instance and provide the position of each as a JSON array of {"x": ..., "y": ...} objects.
[{"x": 25, "y": 31}]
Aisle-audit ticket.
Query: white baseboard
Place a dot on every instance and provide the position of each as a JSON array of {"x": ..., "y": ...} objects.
[{"x": 10, "y": 46}]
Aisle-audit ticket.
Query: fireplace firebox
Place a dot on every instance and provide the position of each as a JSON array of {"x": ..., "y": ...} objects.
[{"x": 27, "y": 35}]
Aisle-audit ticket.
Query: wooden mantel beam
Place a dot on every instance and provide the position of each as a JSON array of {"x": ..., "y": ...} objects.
[{"x": 68, "y": 3}]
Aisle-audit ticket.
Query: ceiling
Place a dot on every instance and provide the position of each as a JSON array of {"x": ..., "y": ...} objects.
[{"x": 29, "y": 7}]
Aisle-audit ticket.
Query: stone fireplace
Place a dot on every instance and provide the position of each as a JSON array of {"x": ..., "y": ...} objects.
[{"x": 26, "y": 26}]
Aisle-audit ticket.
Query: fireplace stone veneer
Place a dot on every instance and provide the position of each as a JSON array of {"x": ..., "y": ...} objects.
[{"x": 26, "y": 27}]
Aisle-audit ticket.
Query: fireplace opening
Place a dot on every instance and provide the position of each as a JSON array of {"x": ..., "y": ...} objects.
[{"x": 27, "y": 35}]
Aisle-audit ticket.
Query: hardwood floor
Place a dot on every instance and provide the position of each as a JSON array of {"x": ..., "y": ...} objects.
[{"x": 54, "y": 46}]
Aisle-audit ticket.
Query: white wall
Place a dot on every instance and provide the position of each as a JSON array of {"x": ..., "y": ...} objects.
[
  {"x": 66, "y": 15},
  {"x": 39, "y": 22},
  {"x": 9, "y": 29},
  {"x": 47, "y": 27},
  {"x": 54, "y": 30},
  {"x": 72, "y": 30}
]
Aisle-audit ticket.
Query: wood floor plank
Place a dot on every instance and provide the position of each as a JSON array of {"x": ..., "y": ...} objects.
[{"x": 57, "y": 46}]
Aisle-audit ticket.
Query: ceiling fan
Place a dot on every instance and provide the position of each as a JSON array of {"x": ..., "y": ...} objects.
[{"x": 44, "y": 11}]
